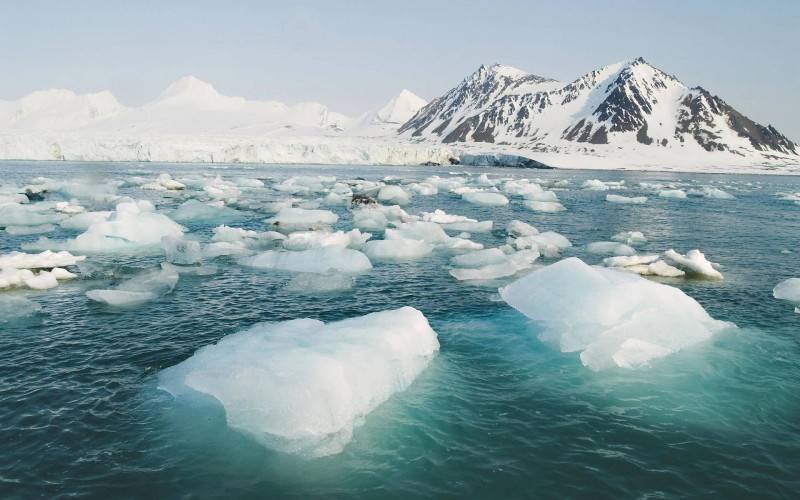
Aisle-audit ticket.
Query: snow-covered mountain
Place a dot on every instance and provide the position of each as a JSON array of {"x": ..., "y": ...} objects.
[
  {"x": 385, "y": 121},
  {"x": 58, "y": 109},
  {"x": 625, "y": 107}
]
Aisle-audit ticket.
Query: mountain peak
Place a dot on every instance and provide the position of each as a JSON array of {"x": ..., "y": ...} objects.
[
  {"x": 508, "y": 71},
  {"x": 401, "y": 107},
  {"x": 189, "y": 87}
]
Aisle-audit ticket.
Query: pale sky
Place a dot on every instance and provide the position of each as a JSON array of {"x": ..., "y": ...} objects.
[{"x": 355, "y": 55}]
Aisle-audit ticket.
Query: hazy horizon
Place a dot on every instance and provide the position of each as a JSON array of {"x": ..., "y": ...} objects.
[{"x": 355, "y": 58}]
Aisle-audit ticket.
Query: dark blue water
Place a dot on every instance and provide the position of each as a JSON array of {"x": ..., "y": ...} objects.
[{"x": 497, "y": 414}]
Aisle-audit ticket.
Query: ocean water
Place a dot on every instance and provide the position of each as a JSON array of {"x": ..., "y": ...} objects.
[{"x": 497, "y": 414}]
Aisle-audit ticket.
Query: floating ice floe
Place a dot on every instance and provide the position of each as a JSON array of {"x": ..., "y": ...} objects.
[
  {"x": 598, "y": 185},
  {"x": 18, "y": 214},
  {"x": 220, "y": 189},
  {"x": 613, "y": 318},
  {"x": 544, "y": 206},
  {"x": 510, "y": 265},
  {"x": 630, "y": 237},
  {"x": 609, "y": 248},
  {"x": 711, "y": 192},
  {"x": 68, "y": 207},
  {"x": 27, "y": 230},
  {"x": 634, "y": 200},
  {"x": 397, "y": 249},
  {"x": 394, "y": 195},
  {"x": 549, "y": 243},
  {"x": 645, "y": 265},
  {"x": 517, "y": 228},
  {"x": 181, "y": 251},
  {"x": 302, "y": 386},
  {"x": 317, "y": 260},
  {"x": 213, "y": 212},
  {"x": 457, "y": 222},
  {"x": 788, "y": 290},
  {"x": 485, "y": 198},
  {"x": 298, "y": 219},
  {"x": 304, "y": 240},
  {"x": 144, "y": 287},
  {"x": 672, "y": 193},
  {"x": 693, "y": 263},
  {"x": 44, "y": 260},
  {"x": 82, "y": 221},
  {"x": 134, "y": 226},
  {"x": 14, "y": 308},
  {"x": 423, "y": 188}
]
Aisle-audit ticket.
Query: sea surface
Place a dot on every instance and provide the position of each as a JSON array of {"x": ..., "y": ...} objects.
[{"x": 497, "y": 414}]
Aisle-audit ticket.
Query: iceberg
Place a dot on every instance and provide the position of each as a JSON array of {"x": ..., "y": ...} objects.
[
  {"x": 613, "y": 318},
  {"x": 544, "y": 206},
  {"x": 609, "y": 248},
  {"x": 394, "y": 195},
  {"x": 302, "y": 386}
]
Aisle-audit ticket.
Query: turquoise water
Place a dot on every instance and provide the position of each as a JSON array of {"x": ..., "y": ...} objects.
[{"x": 496, "y": 414}]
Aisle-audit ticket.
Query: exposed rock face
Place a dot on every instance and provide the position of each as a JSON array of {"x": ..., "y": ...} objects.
[{"x": 629, "y": 104}]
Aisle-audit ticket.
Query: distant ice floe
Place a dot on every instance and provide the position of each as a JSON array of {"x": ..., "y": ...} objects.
[
  {"x": 711, "y": 192},
  {"x": 303, "y": 386},
  {"x": 788, "y": 290},
  {"x": 300, "y": 219},
  {"x": 610, "y": 248},
  {"x": 632, "y": 238},
  {"x": 672, "y": 193},
  {"x": 613, "y": 318},
  {"x": 631, "y": 200}
]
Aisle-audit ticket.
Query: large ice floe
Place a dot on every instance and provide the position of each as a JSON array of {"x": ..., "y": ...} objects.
[
  {"x": 302, "y": 386},
  {"x": 612, "y": 318},
  {"x": 134, "y": 226}
]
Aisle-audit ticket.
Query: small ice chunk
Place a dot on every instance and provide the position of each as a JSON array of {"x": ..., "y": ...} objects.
[
  {"x": 548, "y": 243},
  {"x": 512, "y": 264},
  {"x": 26, "y": 230},
  {"x": 672, "y": 193},
  {"x": 302, "y": 386},
  {"x": 517, "y": 228},
  {"x": 197, "y": 211},
  {"x": 294, "y": 219},
  {"x": 394, "y": 195},
  {"x": 609, "y": 248},
  {"x": 544, "y": 206},
  {"x": 42, "y": 281},
  {"x": 613, "y": 318},
  {"x": 423, "y": 188},
  {"x": 425, "y": 231},
  {"x": 788, "y": 290},
  {"x": 630, "y": 237},
  {"x": 83, "y": 220},
  {"x": 304, "y": 240},
  {"x": 711, "y": 192},
  {"x": 634, "y": 200},
  {"x": 44, "y": 260},
  {"x": 479, "y": 258},
  {"x": 694, "y": 262},
  {"x": 181, "y": 251},
  {"x": 144, "y": 287},
  {"x": 397, "y": 249},
  {"x": 485, "y": 198},
  {"x": 317, "y": 260}
]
